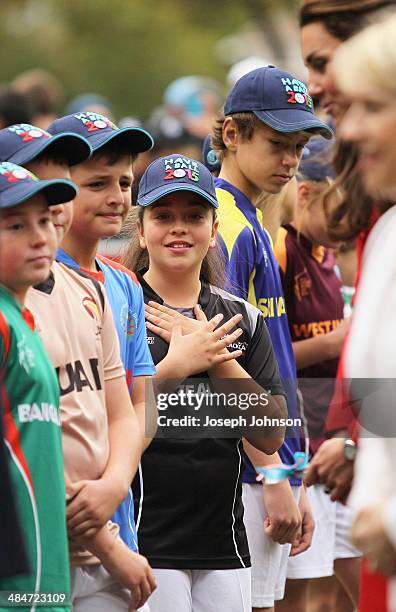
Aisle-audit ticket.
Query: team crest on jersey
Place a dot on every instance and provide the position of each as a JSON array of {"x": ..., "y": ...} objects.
[
  {"x": 91, "y": 307},
  {"x": 302, "y": 284},
  {"x": 95, "y": 122},
  {"x": 25, "y": 355},
  {"x": 15, "y": 173},
  {"x": 28, "y": 132},
  {"x": 128, "y": 321},
  {"x": 297, "y": 92},
  {"x": 181, "y": 168}
]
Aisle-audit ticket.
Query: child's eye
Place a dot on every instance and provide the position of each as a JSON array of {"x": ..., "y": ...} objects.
[
  {"x": 161, "y": 216},
  {"x": 300, "y": 148},
  {"x": 276, "y": 143},
  {"x": 197, "y": 216},
  {"x": 96, "y": 185},
  {"x": 15, "y": 227},
  {"x": 126, "y": 184}
]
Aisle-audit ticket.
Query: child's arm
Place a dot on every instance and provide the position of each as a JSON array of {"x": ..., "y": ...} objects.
[
  {"x": 125, "y": 566},
  {"x": 129, "y": 568},
  {"x": 320, "y": 348},
  {"x": 162, "y": 319},
  {"x": 197, "y": 351},
  {"x": 283, "y": 522},
  {"x": 95, "y": 501},
  {"x": 276, "y": 407}
]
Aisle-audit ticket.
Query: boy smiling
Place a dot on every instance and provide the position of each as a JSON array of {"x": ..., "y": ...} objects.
[{"x": 104, "y": 199}]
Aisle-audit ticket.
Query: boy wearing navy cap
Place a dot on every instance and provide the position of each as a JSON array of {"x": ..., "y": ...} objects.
[
  {"x": 69, "y": 310},
  {"x": 104, "y": 200},
  {"x": 47, "y": 156},
  {"x": 29, "y": 388},
  {"x": 268, "y": 118}
]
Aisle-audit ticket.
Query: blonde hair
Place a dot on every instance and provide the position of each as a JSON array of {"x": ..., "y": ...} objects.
[
  {"x": 246, "y": 123},
  {"x": 368, "y": 60}
]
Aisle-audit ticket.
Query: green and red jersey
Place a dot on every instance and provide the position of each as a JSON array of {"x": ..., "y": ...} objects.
[{"x": 30, "y": 398}]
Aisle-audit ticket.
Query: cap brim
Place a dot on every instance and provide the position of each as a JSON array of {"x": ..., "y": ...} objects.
[
  {"x": 73, "y": 147},
  {"x": 294, "y": 120},
  {"x": 57, "y": 191},
  {"x": 136, "y": 139},
  {"x": 164, "y": 190}
]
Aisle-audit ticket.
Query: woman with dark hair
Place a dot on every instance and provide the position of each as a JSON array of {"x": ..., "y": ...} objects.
[{"x": 325, "y": 25}]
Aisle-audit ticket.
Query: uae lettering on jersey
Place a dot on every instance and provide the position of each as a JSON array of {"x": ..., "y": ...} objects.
[
  {"x": 73, "y": 377},
  {"x": 181, "y": 167}
]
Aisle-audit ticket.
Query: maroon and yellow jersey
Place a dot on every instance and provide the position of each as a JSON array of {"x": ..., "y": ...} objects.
[{"x": 314, "y": 307}]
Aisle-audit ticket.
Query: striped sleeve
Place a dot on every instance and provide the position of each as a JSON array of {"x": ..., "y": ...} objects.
[{"x": 4, "y": 340}]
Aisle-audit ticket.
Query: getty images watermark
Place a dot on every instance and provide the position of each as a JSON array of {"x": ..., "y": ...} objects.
[{"x": 224, "y": 408}]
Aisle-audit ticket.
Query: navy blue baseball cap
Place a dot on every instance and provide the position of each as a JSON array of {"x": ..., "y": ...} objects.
[
  {"x": 209, "y": 156},
  {"x": 172, "y": 173},
  {"x": 278, "y": 99},
  {"x": 18, "y": 185},
  {"x": 315, "y": 164},
  {"x": 22, "y": 142},
  {"x": 99, "y": 131}
]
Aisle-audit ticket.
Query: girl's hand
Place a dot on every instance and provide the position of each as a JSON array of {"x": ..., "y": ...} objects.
[
  {"x": 202, "y": 349},
  {"x": 161, "y": 320}
]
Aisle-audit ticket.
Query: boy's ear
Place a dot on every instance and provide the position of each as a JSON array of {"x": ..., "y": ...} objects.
[
  {"x": 303, "y": 191},
  {"x": 142, "y": 241},
  {"x": 230, "y": 134},
  {"x": 213, "y": 239}
]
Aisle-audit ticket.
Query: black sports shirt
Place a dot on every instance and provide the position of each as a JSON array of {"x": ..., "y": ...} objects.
[{"x": 188, "y": 496}]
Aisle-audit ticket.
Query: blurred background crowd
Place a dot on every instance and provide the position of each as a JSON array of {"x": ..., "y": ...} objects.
[{"x": 165, "y": 65}]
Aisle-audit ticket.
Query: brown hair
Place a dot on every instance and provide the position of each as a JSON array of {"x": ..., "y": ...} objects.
[
  {"x": 113, "y": 151},
  {"x": 356, "y": 208},
  {"x": 137, "y": 259},
  {"x": 57, "y": 157},
  {"x": 320, "y": 192},
  {"x": 343, "y": 18},
  {"x": 245, "y": 122}
]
